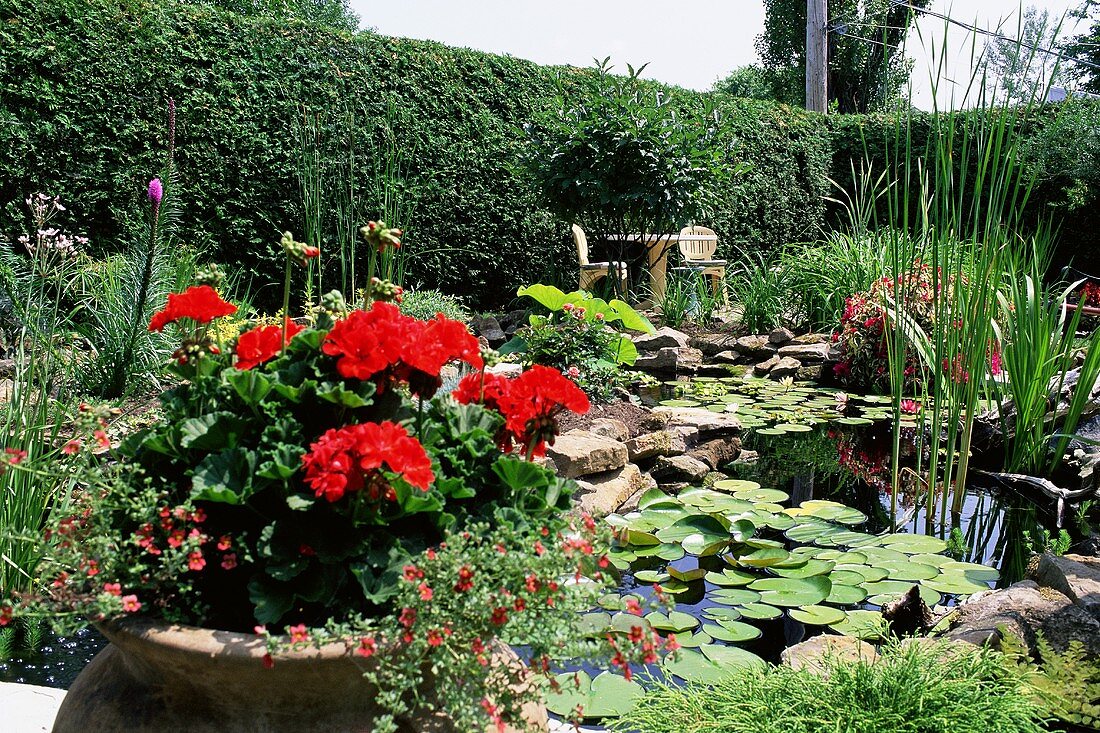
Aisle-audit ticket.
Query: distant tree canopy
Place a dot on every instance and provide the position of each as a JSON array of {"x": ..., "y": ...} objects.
[
  {"x": 1086, "y": 47},
  {"x": 328, "y": 13},
  {"x": 1022, "y": 71},
  {"x": 748, "y": 82},
  {"x": 867, "y": 64}
]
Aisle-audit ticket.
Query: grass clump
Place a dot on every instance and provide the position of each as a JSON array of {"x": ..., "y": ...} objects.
[
  {"x": 424, "y": 304},
  {"x": 910, "y": 689}
]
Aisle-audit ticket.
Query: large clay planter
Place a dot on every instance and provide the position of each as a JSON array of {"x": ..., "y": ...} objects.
[{"x": 157, "y": 678}]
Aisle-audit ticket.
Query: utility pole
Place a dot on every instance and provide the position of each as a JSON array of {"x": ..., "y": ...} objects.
[{"x": 817, "y": 63}]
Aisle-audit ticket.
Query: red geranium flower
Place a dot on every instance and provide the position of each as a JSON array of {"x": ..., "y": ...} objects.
[
  {"x": 350, "y": 459},
  {"x": 385, "y": 346},
  {"x": 482, "y": 387},
  {"x": 200, "y": 303},
  {"x": 532, "y": 403},
  {"x": 263, "y": 343}
]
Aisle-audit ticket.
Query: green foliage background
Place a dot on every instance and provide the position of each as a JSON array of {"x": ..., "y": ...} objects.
[{"x": 82, "y": 115}]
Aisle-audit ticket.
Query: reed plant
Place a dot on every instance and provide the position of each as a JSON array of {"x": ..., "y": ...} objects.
[
  {"x": 958, "y": 198},
  {"x": 1038, "y": 350},
  {"x": 760, "y": 288}
]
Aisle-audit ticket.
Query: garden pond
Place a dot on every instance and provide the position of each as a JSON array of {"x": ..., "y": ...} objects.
[{"x": 804, "y": 537}]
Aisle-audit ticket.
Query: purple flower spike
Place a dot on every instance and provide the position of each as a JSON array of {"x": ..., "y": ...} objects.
[{"x": 156, "y": 192}]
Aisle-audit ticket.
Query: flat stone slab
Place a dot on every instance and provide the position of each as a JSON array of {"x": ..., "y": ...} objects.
[
  {"x": 28, "y": 708},
  {"x": 664, "y": 338},
  {"x": 603, "y": 493},
  {"x": 706, "y": 422},
  {"x": 806, "y": 352},
  {"x": 580, "y": 453},
  {"x": 810, "y": 653},
  {"x": 1075, "y": 576}
]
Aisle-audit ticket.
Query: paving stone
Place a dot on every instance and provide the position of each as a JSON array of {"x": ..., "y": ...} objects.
[
  {"x": 580, "y": 453},
  {"x": 665, "y": 337}
]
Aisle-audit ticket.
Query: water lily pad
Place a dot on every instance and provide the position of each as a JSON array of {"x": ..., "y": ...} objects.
[
  {"x": 764, "y": 557},
  {"x": 676, "y": 621},
  {"x": 789, "y": 427},
  {"x": 703, "y": 526},
  {"x": 668, "y": 552},
  {"x": 846, "y": 595},
  {"x": 732, "y": 631},
  {"x": 971, "y": 571},
  {"x": 877, "y": 556},
  {"x": 760, "y": 611},
  {"x": 888, "y": 587},
  {"x": 722, "y": 613},
  {"x": 793, "y": 591},
  {"x": 734, "y": 596},
  {"x": 691, "y": 666},
  {"x": 853, "y": 421},
  {"x": 730, "y": 578},
  {"x": 910, "y": 571},
  {"x": 687, "y": 576},
  {"x": 625, "y": 623},
  {"x": 928, "y": 595},
  {"x": 651, "y": 576},
  {"x": 866, "y": 625},
  {"x": 731, "y": 657},
  {"x": 808, "y": 569},
  {"x": 607, "y": 696},
  {"x": 817, "y": 615},
  {"x": 870, "y": 574},
  {"x": 693, "y": 639},
  {"x": 680, "y": 403},
  {"x": 595, "y": 624},
  {"x": 956, "y": 585},
  {"x": 734, "y": 485},
  {"x": 913, "y": 544},
  {"x": 761, "y": 496},
  {"x": 933, "y": 559}
]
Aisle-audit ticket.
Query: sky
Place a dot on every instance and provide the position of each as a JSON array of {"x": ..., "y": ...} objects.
[{"x": 692, "y": 43}]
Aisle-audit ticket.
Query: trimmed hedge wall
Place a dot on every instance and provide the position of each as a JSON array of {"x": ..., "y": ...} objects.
[{"x": 83, "y": 108}]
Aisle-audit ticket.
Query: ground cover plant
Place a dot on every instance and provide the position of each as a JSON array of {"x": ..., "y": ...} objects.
[{"x": 909, "y": 689}]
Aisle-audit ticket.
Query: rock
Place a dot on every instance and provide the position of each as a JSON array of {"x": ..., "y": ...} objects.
[
  {"x": 708, "y": 424},
  {"x": 712, "y": 343},
  {"x": 765, "y": 366},
  {"x": 603, "y": 493},
  {"x": 715, "y": 453},
  {"x": 813, "y": 373},
  {"x": 490, "y": 328},
  {"x": 810, "y": 654},
  {"x": 780, "y": 336},
  {"x": 610, "y": 427},
  {"x": 755, "y": 347},
  {"x": 7, "y": 367},
  {"x": 785, "y": 367},
  {"x": 727, "y": 357},
  {"x": 806, "y": 352},
  {"x": 1023, "y": 609},
  {"x": 1075, "y": 576},
  {"x": 581, "y": 453},
  {"x": 664, "y": 338},
  {"x": 717, "y": 370},
  {"x": 812, "y": 338},
  {"x": 659, "y": 443},
  {"x": 670, "y": 360},
  {"x": 679, "y": 469},
  {"x": 514, "y": 320},
  {"x": 747, "y": 457},
  {"x": 508, "y": 369}
]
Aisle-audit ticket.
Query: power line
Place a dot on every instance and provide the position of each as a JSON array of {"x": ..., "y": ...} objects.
[{"x": 999, "y": 36}]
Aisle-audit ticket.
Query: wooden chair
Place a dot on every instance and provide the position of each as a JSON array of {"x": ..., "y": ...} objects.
[
  {"x": 593, "y": 272},
  {"x": 698, "y": 253}
]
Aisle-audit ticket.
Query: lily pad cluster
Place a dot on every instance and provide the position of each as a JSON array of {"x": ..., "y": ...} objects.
[
  {"x": 775, "y": 407},
  {"x": 744, "y": 558}
]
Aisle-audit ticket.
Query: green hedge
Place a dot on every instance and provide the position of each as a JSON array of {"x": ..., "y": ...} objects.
[{"x": 82, "y": 114}]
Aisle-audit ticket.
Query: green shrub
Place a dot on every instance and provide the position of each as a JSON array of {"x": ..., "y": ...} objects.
[
  {"x": 912, "y": 689},
  {"x": 424, "y": 304},
  {"x": 1066, "y": 685}
]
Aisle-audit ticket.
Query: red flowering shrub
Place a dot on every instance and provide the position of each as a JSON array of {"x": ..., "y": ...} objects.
[
  {"x": 200, "y": 303},
  {"x": 865, "y": 328}
]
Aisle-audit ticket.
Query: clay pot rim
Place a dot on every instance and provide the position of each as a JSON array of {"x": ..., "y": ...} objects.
[{"x": 228, "y": 645}]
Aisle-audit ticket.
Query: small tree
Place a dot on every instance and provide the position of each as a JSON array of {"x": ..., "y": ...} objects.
[
  {"x": 616, "y": 156},
  {"x": 1086, "y": 47},
  {"x": 1023, "y": 72}
]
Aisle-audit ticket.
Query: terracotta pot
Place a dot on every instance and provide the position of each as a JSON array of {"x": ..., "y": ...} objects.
[{"x": 155, "y": 678}]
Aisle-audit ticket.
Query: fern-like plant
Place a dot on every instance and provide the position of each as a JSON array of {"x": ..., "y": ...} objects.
[{"x": 1066, "y": 684}]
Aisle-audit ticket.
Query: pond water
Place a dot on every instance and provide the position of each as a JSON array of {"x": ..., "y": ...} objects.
[{"x": 49, "y": 660}]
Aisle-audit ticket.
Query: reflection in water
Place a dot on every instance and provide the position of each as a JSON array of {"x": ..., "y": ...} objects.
[{"x": 851, "y": 465}]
